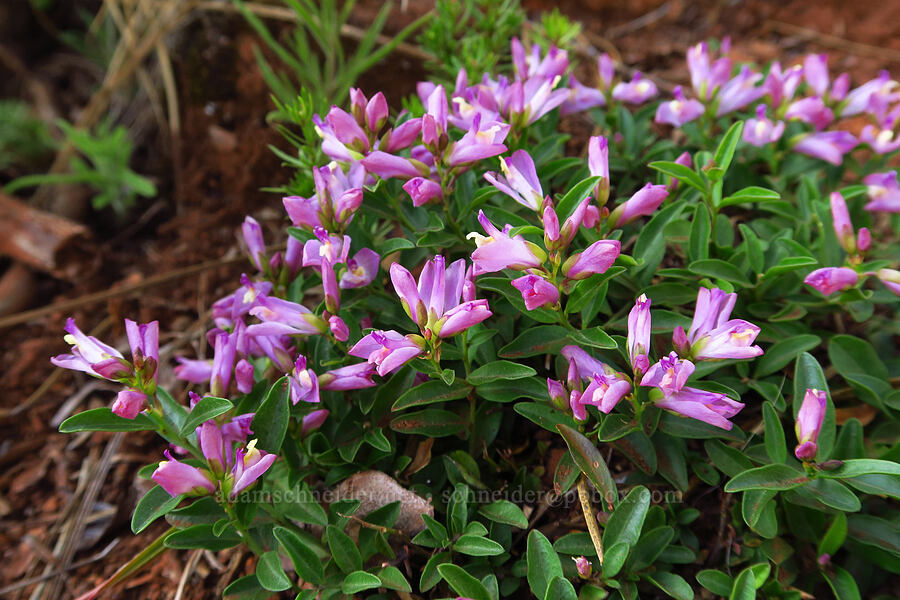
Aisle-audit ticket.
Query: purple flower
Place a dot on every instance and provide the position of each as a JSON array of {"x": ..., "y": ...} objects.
[
  {"x": 550, "y": 221},
  {"x": 781, "y": 85},
  {"x": 884, "y": 192},
  {"x": 338, "y": 196},
  {"x": 761, "y": 131},
  {"x": 313, "y": 421},
  {"x": 482, "y": 140},
  {"x": 583, "y": 566},
  {"x": 92, "y": 356},
  {"x": 194, "y": 371},
  {"x": 179, "y": 478},
  {"x": 598, "y": 164},
  {"x": 519, "y": 180},
  {"x": 338, "y": 328},
  {"x": 829, "y": 146},
  {"x": 144, "y": 341},
  {"x": 536, "y": 291},
  {"x": 863, "y": 239},
  {"x": 607, "y": 71},
  {"x": 249, "y": 465},
  {"x": 890, "y": 278},
  {"x": 422, "y": 190},
  {"x": 604, "y": 391},
  {"x": 843, "y": 227},
  {"x": 553, "y": 65},
  {"x": 361, "y": 269},
  {"x": 739, "y": 91},
  {"x": 581, "y": 97},
  {"x": 402, "y": 136},
  {"x": 582, "y": 365},
  {"x": 129, "y": 403},
  {"x": 256, "y": 247},
  {"x": 388, "y": 166},
  {"x": 638, "y": 341},
  {"x": 223, "y": 364},
  {"x": 243, "y": 376},
  {"x": 669, "y": 374},
  {"x": 642, "y": 203},
  {"x": 815, "y": 72},
  {"x": 405, "y": 287},
  {"x": 810, "y": 110},
  {"x": 708, "y": 76},
  {"x": 679, "y": 111},
  {"x": 388, "y": 350},
  {"x": 809, "y": 422},
  {"x": 713, "y": 336},
  {"x": 636, "y": 91},
  {"x": 859, "y": 100},
  {"x": 347, "y": 130},
  {"x": 829, "y": 280},
  {"x": 709, "y": 407},
  {"x": 332, "y": 247},
  {"x": 596, "y": 258},
  {"x": 732, "y": 339},
  {"x": 500, "y": 251},
  {"x": 882, "y": 141},
  {"x": 524, "y": 102},
  {"x": 282, "y": 317},
  {"x": 557, "y": 393},
  {"x": 330, "y": 287},
  {"x": 462, "y": 317},
  {"x": 352, "y": 377},
  {"x": 304, "y": 383}
]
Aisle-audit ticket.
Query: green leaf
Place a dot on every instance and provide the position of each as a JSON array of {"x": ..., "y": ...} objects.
[
  {"x": 754, "y": 248},
  {"x": 270, "y": 573},
  {"x": 462, "y": 583},
  {"x": 543, "y": 339},
  {"x": 591, "y": 463},
  {"x": 577, "y": 543},
  {"x": 717, "y": 582},
  {"x": 359, "y": 581},
  {"x": 842, "y": 583},
  {"x": 246, "y": 588},
  {"x": 831, "y": 493},
  {"x": 744, "y": 586},
  {"x": 306, "y": 563},
  {"x": 614, "y": 558},
  {"x": 393, "y": 579},
  {"x": 542, "y": 563},
  {"x": 753, "y": 504},
  {"x": 781, "y": 353},
  {"x": 627, "y": 520},
  {"x": 673, "y": 585},
  {"x": 560, "y": 588},
  {"x": 208, "y": 408},
  {"x": 834, "y": 538},
  {"x": 594, "y": 337},
  {"x": 776, "y": 447},
  {"x": 499, "y": 370},
  {"x": 768, "y": 477},
  {"x": 788, "y": 264},
  {"x": 543, "y": 415},
  {"x": 504, "y": 511},
  {"x": 202, "y": 536},
  {"x": 392, "y": 245},
  {"x": 578, "y": 192},
  {"x": 725, "y": 151},
  {"x": 874, "y": 531},
  {"x": 861, "y": 466},
  {"x": 649, "y": 547},
  {"x": 650, "y": 245},
  {"x": 719, "y": 269},
  {"x": 511, "y": 390},
  {"x": 343, "y": 550},
  {"x": 272, "y": 417},
  {"x": 430, "y": 575},
  {"x": 476, "y": 545},
  {"x": 430, "y": 422},
  {"x": 104, "y": 419},
  {"x": 154, "y": 504},
  {"x": 698, "y": 247},
  {"x": 431, "y": 392},
  {"x": 750, "y": 194},
  {"x": 680, "y": 172},
  {"x": 854, "y": 356}
]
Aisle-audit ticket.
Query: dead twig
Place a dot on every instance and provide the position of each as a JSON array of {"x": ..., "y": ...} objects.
[{"x": 833, "y": 41}]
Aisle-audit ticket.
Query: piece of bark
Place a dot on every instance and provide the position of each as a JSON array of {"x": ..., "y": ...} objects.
[
  {"x": 374, "y": 489},
  {"x": 42, "y": 240}
]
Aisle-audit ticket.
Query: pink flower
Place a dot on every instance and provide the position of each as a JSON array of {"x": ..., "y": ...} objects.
[
  {"x": 501, "y": 251},
  {"x": 830, "y": 146},
  {"x": 388, "y": 350},
  {"x": 809, "y": 422},
  {"x": 636, "y": 91},
  {"x": 179, "y": 478},
  {"x": 92, "y": 356},
  {"x": 249, "y": 465},
  {"x": 843, "y": 227},
  {"x": 638, "y": 341},
  {"x": 708, "y": 407},
  {"x": 761, "y": 131},
  {"x": 679, "y": 111},
  {"x": 129, "y": 403},
  {"x": 596, "y": 258},
  {"x": 669, "y": 374},
  {"x": 890, "y": 278},
  {"x": 536, "y": 291},
  {"x": 313, "y": 421},
  {"x": 352, "y": 377},
  {"x": 642, "y": 203},
  {"x": 422, "y": 190},
  {"x": 832, "y": 279},
  {"x": 884, "y": 192},
  {"x": 810, "y": 110},
  {"x": 603, "y": 392},
  {"x": 361, "y": 269},
  {"x": 519, "y": 180},
  {"x": 304, "y": 383}
]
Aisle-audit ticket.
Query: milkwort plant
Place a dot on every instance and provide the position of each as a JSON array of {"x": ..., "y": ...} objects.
[{"x": 468, "y": 315}]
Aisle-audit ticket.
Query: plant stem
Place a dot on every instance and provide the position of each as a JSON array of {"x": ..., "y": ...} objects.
[
  {"x": 245, "y": 533},
  {"x": 589, "y": 517}
]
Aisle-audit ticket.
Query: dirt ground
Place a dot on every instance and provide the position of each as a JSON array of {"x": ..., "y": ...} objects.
[{"x": 225, "y": 160}]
